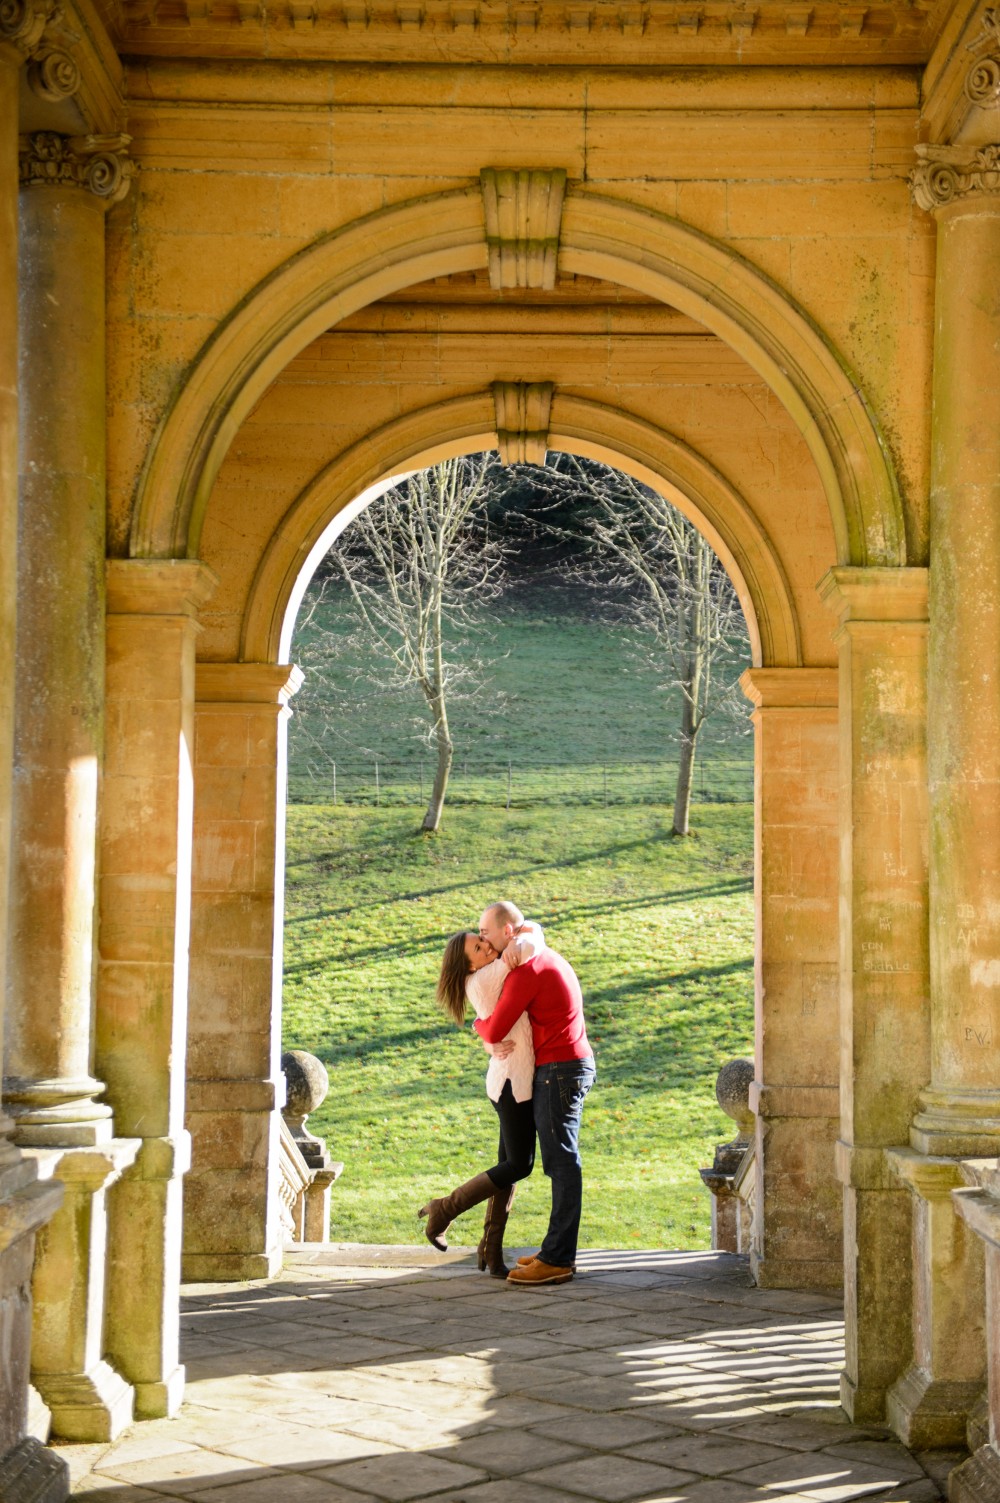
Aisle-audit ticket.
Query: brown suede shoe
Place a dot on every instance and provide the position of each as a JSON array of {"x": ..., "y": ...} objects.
[
  {"x": 523, "y": 1262},
  {"x": 537, "y": 1272}
]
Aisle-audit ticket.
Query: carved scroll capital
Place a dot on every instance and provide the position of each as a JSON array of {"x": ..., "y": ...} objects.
[
  {"x": 523, "y": 212},
  {"x": 53, "y": 74},
  {"x": 22, "y": 23},
  {"x": 97, "y": 164},
  {"x": 522, "y": 412},
  {"x": 982, "y": 82},
  {"x": 946, "y": 174}
]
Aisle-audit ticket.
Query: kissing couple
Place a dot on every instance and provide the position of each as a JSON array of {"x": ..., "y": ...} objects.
[{"x": 529, "y": 1016}]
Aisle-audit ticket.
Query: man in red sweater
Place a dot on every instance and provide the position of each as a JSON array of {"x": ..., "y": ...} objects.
[{"x": 548, "y": 990}]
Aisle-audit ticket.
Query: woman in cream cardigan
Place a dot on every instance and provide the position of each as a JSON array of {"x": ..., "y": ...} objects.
[{"x": 472, "y": 972}]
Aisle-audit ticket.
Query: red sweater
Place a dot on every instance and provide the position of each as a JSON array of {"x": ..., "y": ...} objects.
[{"x": 548, "y": 990}]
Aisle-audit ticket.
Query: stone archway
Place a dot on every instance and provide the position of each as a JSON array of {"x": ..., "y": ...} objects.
[
  {"x": 590, "y": 429},
  {"x": 444, "y": 234}
]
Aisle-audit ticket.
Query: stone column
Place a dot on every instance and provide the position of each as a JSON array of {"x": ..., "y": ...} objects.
[
  {"x": 25, "y": 1205},
  {"x": 797, "y": 1243},
  {"x": 145, "y": 904},
  {"x": 960, "y": 1111},
  {"x": 66, "y": 187},
  {"x": 236, "y": 1089},
  {"x": 884, "y": 1040}
]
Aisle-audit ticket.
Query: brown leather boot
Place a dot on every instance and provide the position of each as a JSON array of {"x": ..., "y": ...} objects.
[
  {"x": 490, "y": 1249},
  {"x": 441, "y": 1213}
]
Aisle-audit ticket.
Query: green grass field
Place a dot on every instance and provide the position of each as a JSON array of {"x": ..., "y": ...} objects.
[
  {"x": 661, "y": 933},
  {"x": 565, "y": 698}
]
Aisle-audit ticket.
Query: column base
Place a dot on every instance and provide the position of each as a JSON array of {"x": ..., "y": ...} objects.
[
  {"x": 160, "y": 1400},
  {"x": 964, "y": 1125},
  {"x": 863, "y": 1403},
  {"x": 93, "y": 1406},
  {"x": 929, "y": 1414},
  {"x": 225, "y": 1268},
  {"x": 976, "y": 1480},
  {"x": 34, "y": 1474},
  {"x": 797, "y": 1273}
]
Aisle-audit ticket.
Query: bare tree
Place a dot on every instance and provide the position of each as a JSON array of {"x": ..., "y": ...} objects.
[
  {"x": 418, "y": 565},
  {"x": 674, "y": 593}
]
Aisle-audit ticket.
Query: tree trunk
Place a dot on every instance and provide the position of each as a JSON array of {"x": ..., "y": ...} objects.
[
  {"x": 445, "y": 752},
  {"x": 685, "y": 767},
  {"x": 685, "y": 783}
]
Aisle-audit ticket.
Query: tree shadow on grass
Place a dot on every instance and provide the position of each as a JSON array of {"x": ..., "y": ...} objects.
[{"x": 422, "y": 944}]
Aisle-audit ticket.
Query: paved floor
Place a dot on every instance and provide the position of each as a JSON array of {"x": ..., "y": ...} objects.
[{"x": 653, "y": 1378}]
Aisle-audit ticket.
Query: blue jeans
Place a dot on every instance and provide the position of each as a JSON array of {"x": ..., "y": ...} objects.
[{"x": 557, "y": 1099}]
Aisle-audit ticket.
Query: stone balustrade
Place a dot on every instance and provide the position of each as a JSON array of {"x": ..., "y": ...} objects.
[{"x": 308, "y": 1173}]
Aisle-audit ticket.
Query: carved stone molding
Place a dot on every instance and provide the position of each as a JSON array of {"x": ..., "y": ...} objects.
[
  {"x": 982, "y": 82},
  {"x": 22, "y": 22},
  {"x": 53, "y": 74},
  {"x": 946, "y": 174},
  {"x": 99, "y": 164},
  {"x": 523, "y": 217},
  {"x": 522, "y": 411}
]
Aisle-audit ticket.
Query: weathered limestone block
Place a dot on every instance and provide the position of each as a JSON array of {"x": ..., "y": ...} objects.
[
  {"x": 235, "y": 1088},
  {"x": 794, "y": 1096},
  {"x": 928, "y": 1407},
  {"x": 88, "y": 1399},
  {"x": 884, "y": 1035},
  {"x": 978, "y": 1206},
  {"x": 146, "y": 831}
]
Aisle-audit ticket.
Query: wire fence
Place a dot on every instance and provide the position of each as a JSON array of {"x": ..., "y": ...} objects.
[{"x": 386, "y": 783}]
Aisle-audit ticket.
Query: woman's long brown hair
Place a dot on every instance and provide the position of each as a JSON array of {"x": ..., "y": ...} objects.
[{"x": 455, "y": 968}]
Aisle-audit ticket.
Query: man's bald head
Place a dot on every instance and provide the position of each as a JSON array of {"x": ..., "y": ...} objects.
[{"x": 498, "y": 923}]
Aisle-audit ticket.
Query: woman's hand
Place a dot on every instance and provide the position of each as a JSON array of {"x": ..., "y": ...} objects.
[{"x": 504, "y": 1049}]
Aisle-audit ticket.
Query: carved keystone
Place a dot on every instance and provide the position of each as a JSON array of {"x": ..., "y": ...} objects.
[
  {"x": 522, "y": 409},
  {"x": 523, "y": 217}
]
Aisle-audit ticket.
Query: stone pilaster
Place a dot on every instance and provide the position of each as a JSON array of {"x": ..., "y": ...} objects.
[
  {"x": 929, "y": 1405},
  {"x": 978, "y": 1479},
  {"x": 884, "y": 1044},
  {"x": 794, "y": 1096},
  {"x": 145, "y": 906},
  {"x": 235, "y": 1087}
]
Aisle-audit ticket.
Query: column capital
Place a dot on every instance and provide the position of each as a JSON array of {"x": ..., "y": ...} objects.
[
  {"x": 158, "y": 586},
  {"x": 876, "y": 595},
  {"x": 790, "y": 688},
  {"x": 246, "y": 683},
  {"x": 948, "y": 175},
  {"x": 22, "y": 23},
  {"x": 98, "y": 164}
]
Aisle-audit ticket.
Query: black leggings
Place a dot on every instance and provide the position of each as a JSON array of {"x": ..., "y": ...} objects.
[{"x": 516, "y": 1153}]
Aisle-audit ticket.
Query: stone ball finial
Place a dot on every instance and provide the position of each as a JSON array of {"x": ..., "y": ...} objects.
[
  {"x": 732, "y": 1091},
  {"x": 306, "y": 1083}
]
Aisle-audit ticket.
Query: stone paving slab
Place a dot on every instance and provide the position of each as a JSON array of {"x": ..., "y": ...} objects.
[{"x": 394, "y": 1376}]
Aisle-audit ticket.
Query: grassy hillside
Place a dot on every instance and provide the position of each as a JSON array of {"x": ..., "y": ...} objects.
[
  {"x": 563, "y": 689},
  {"x": 661, "y": 934}
]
